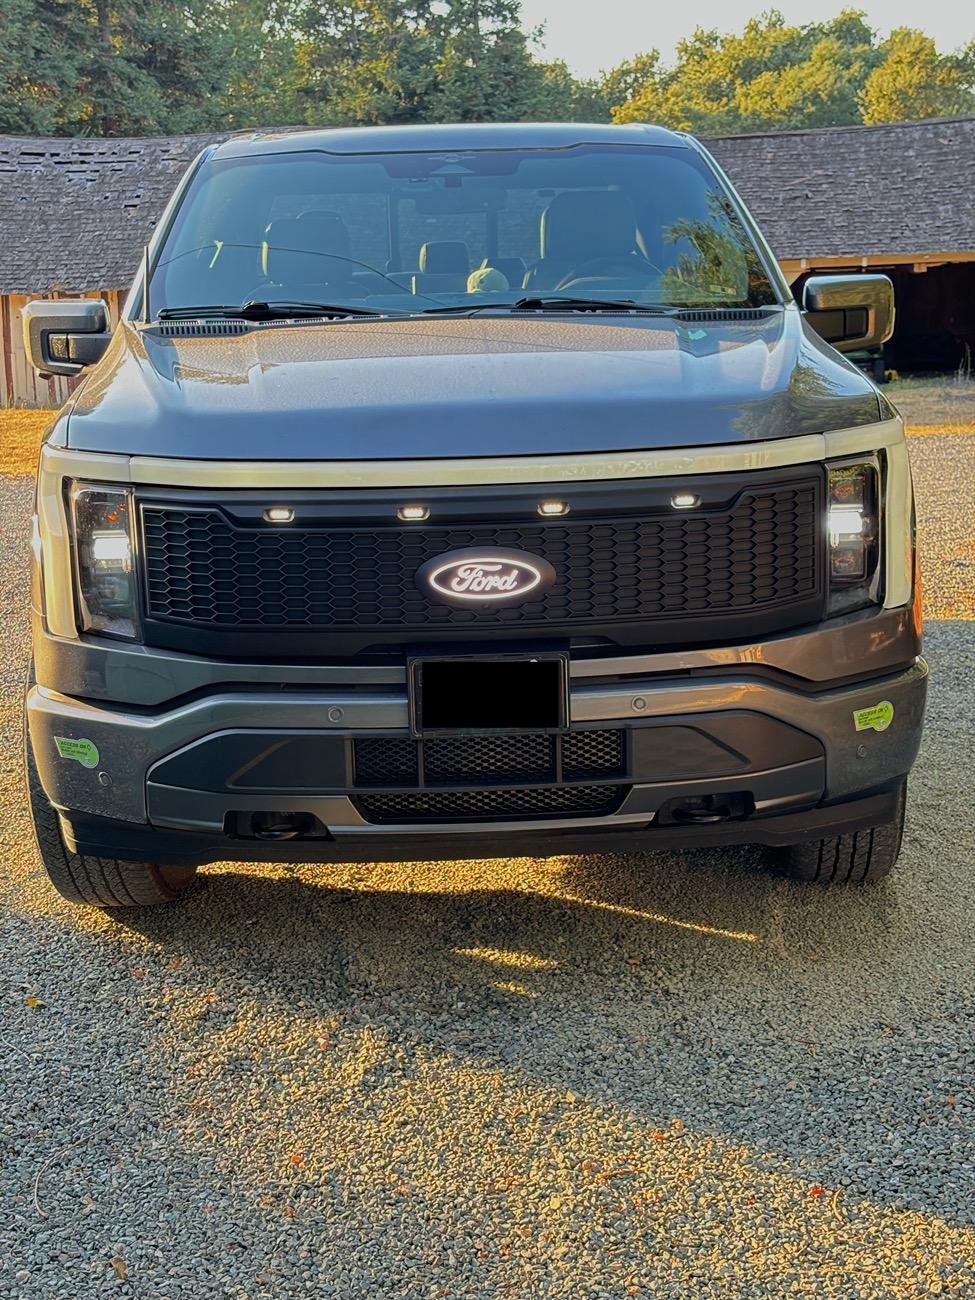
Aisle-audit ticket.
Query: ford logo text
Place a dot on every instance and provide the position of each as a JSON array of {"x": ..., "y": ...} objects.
[{"x": 485, "y": 577}]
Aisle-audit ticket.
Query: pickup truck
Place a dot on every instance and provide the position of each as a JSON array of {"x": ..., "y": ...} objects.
[{"x": 467, "y": 491}]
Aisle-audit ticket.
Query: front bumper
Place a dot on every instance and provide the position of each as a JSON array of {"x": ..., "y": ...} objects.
[{"x": 199, "y": 745}]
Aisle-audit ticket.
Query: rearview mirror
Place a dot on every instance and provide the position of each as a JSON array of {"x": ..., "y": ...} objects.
[
  {"x": 852, "y": 312},
  {"x": 62, "y": 337}
]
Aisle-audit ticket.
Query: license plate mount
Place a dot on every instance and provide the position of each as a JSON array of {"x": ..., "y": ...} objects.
[{"x": 488, "y": 694}]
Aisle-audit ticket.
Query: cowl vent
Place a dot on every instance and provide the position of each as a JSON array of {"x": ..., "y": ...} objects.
[
  {"x": 697, "y": 315},
  {"x": 183, "y": 329}
]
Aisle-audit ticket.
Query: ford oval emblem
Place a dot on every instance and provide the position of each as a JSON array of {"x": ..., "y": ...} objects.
[{"x": 485, "y": 576}]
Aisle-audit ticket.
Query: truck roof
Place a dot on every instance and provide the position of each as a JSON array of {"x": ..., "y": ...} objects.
[{"x": 461, "y": 135}]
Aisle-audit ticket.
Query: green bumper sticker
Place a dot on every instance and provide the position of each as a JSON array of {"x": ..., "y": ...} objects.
[
  {"x": 877, "y": 717},
  {"x": 84, "y": 752}
]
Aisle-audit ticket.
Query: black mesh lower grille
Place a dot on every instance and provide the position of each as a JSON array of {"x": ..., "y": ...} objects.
[
  {"x": 452, "y": 760},
  {"x": 488, "y": 760},
  {"x": 387, "y": 760},
  {"x": 593, "y": 753},
  {"x": 497, "y": 804}
]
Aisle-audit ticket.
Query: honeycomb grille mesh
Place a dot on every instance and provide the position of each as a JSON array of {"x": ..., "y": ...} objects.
[
  {"x": 593, "y": 753},
  {"x": 387, "y": 760},
  {"x": 488, "y": 760},
  {"x": 493, "y": 804},
  {"x": 449, "y": 760},
  {"x": 203, "y": 569}
]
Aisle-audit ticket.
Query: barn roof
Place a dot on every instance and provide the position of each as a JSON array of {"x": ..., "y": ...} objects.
[
  {"x": 74, "y": 213},
  {"x": 886, "y": 190}
]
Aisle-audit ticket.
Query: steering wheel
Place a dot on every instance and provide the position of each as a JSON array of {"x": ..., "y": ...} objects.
[{"x": 613, "y": 264}]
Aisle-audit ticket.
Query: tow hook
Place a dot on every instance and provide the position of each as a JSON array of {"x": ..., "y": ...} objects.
[
  {"x": 276, "y": 826},
  {"x": 705, "y": 810}
]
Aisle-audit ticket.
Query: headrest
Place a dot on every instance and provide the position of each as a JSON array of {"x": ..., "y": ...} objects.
[
  {"x": 591, "y": 222},
  {"x": 445, "y": 257},
  {"x": 312, "y": 232},
  {"x": 328, "y": 231},
  {"x": 286, "y": 233}
]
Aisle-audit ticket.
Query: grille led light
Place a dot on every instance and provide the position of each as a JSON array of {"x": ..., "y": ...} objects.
[
  {"x": 553, "y": 508},
  {"x": 413, "y": 514},
  {"x": 280, "y": 515}
]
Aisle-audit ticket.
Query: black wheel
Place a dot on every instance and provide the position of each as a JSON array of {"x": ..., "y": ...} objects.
[
  {"x": 859, "y": 858},
  {"x": 104, "y": 882}
]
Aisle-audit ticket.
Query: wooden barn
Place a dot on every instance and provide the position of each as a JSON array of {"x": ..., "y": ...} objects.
[
  {"x": 896, "y": 199},
  {"x": 75, "y": 214}
]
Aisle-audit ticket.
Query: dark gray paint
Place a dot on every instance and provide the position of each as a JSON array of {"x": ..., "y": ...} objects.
[
  {"x": 446, "y": 388},
  {"x": 130, "y": 743},
  {"x": 875, "y": 641},
  {"x": 793, "y": 785}
]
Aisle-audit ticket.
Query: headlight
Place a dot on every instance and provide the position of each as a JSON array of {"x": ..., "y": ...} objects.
[
  {"x": 101, "y": 519},
  {"x": 853, "y": 526}
]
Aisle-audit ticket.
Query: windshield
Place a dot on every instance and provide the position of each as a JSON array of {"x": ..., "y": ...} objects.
[{"x": 421, "y": 231}]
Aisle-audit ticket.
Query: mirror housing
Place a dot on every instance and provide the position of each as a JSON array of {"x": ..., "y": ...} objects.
[
  {"x": 852, "y": 312},
  {"x": 62, "y": 337}
]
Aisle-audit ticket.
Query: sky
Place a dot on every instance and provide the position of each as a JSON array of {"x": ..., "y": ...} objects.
[{"x": 592, "y": 35}]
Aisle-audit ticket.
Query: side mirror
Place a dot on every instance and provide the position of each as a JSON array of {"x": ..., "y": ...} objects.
[
  {"x": 62, "y": 337},
  {"x": 853, "y": 312}
]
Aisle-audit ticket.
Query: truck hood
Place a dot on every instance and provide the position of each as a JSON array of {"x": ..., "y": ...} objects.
[{"x": 468, "y": 386}]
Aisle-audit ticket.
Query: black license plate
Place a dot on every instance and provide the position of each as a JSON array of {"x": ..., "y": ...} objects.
[{"x": 489, "y": 694}]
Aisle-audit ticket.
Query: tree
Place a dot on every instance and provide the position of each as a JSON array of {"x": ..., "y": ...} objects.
[
  {"x": 112, "y": 67},
  {"x": 46, "y": 47},
  {"x": 486, "y": 71},
  {"x": 159, "y": 66},
  {"x": 774, "y": 76},
  {"x": 915, "y": 81},
  {"x": 631, "y": 78},
  {"x": 563, "y": 97},
  {"x": 260, "y": 71},
  {"x": 116, "y": 67},
  {"x": 363, "y": 61}
]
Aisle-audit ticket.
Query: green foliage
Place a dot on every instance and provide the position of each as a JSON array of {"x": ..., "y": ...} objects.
[
  {"x": 915, "y": 81},
  {"x": 773, "y": 76},
  {"x": 119, "y": 67},
  {"x": 44, "y": 47},
  {"x": 712, "y": 262}
]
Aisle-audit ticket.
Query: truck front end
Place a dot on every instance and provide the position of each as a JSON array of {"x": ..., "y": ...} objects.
[{"x": 619, "y": 560}]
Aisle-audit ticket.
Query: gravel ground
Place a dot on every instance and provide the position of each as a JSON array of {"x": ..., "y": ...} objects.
[
  {"x": 934, "y": 399},
  {"x": 668, "y": 1077}
]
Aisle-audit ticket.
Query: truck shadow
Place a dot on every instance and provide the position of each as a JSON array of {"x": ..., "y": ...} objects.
[{"x": 688, "y": 989}]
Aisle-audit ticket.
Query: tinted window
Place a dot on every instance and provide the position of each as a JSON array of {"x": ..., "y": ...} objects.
[{"x": 411, "y": 230}]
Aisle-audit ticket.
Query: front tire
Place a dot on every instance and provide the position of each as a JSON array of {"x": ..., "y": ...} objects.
[
  {"x": 102, "y": 882},
  {"x": 859, "y": 858}
]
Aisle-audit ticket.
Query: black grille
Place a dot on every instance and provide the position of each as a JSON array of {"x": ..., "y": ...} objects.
[
  {"x": 206, "y": 570},
  {"x": 490, "y": 805},
  {"x": 387, "y": 760},
  {"x": 593, "y": 753},
  {"x": 488, "y": 760}
]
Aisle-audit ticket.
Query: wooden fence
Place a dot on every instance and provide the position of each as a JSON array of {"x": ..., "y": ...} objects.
[{"x": 20, "y": 384}]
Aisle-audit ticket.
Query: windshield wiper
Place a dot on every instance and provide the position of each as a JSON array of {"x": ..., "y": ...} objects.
[
  {"x": 258, "y": 311},
  {"x": 553, "y": 302}
]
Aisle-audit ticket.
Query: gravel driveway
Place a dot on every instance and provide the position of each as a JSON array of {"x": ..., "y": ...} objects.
[{"x": 672, "y": 1077}]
